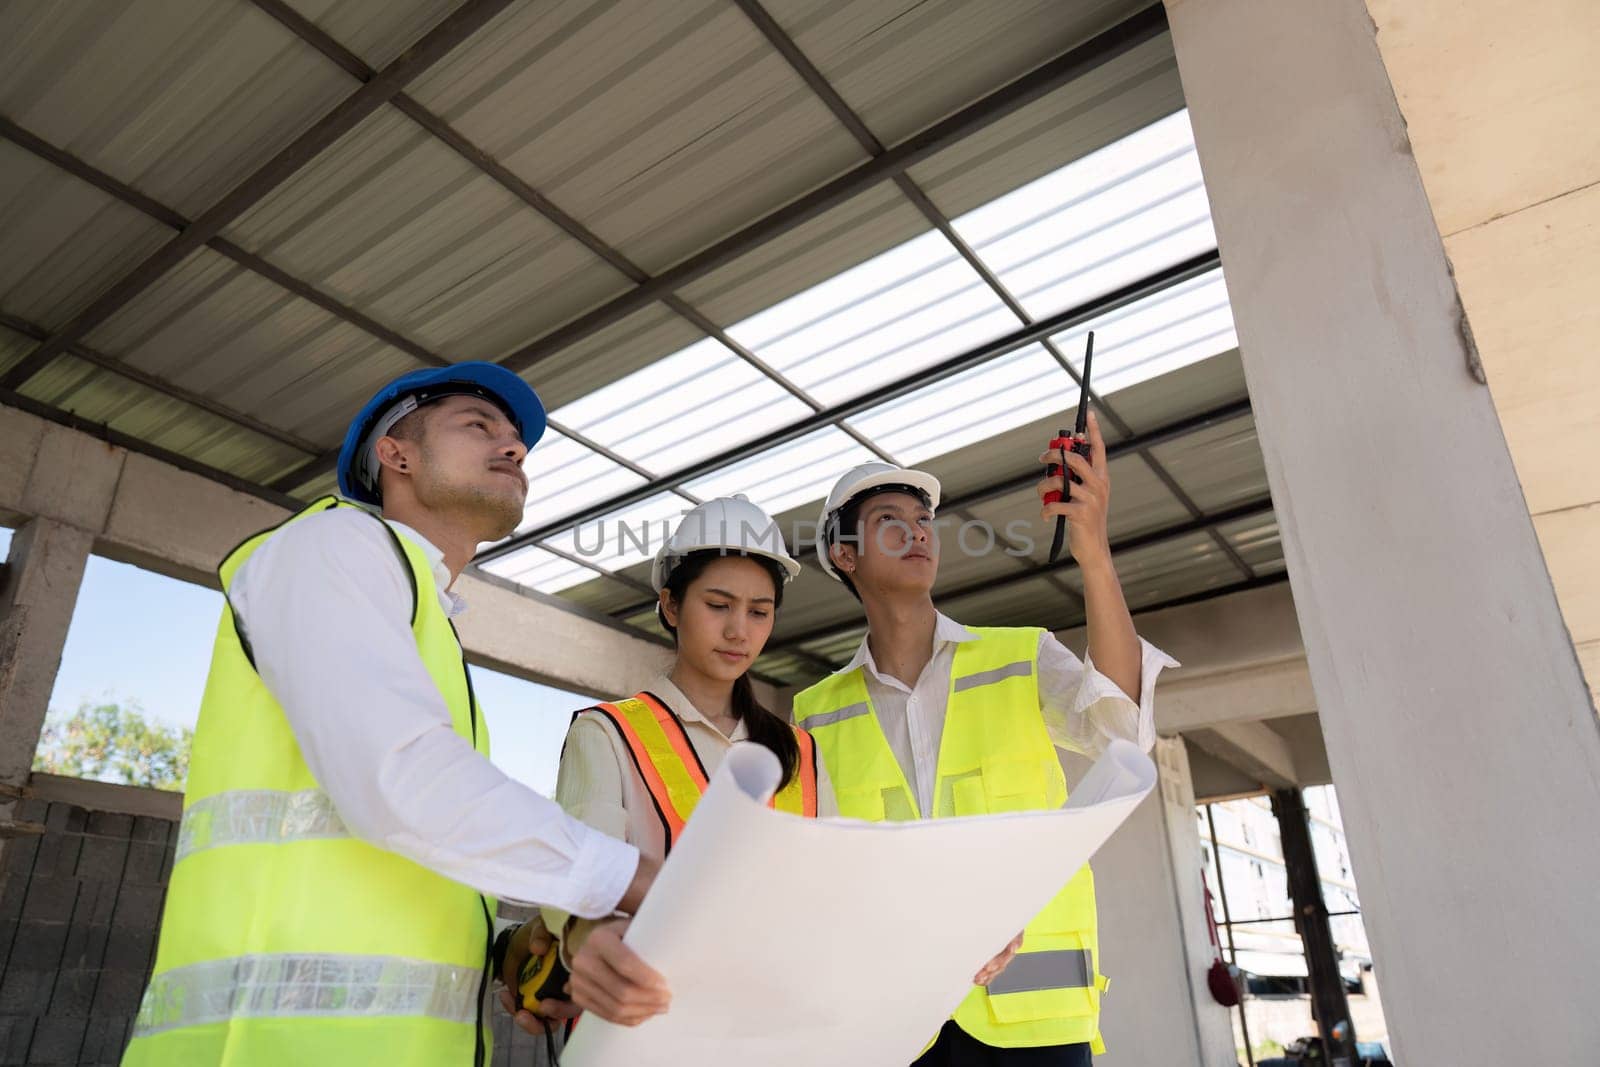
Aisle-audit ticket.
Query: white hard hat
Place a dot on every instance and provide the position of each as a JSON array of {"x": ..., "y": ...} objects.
[
  {"x": 858, "y": 480},
  {"x": 730, "y": 524}
]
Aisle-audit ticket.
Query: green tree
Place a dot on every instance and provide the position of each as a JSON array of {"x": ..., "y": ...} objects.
[{"x": 111, "y": 742}]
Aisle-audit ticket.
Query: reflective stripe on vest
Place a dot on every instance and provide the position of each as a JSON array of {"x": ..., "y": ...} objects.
[
  {"x": 283, "y": 934},
  {"x": 672, "y": 772},
  {"x": 994, "y": 756},
  {"x": 322, "y": 985},
  {"x": 258, "y": 817},
  {"x": 1032, "y": 971}
]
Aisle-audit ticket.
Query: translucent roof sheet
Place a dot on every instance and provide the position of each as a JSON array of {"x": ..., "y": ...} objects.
[
  {"x": 791, "y": 474},
  {"x": 989, "y": 399},
  {"x": 626, "y": 536},
  {"x": 540, "y": 570},
  {"x": 907, "y": 308},
  {"x": 565, "y": 476},
  {"x": 1181, "y": 324},
  {"x": 685, "y": 407},
  {"x": 1110, "y": 218}
]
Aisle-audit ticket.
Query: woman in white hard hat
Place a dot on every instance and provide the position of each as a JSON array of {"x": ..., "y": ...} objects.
[{"x": 634, "y": 768}]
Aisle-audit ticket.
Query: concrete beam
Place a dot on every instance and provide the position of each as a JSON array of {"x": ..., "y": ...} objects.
[
  {"x": 1215, "y": 780},
  {"x": 1423, "y": 599},
  {"x": 507, "y": 631},
  {"x": 136, "y": 509},
  {"x": 1254, "y": 748},
  {"x": 39, "y": 591},
  {"x": 1303, "y": 735},
  {"x": 1191, "y": 702},
  {"x": 1241, "y": 660}
]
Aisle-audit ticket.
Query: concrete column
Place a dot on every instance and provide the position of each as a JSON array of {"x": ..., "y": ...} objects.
[
  {"x": 1458, "y": 727},
  {"x": 37, "y": 596},
  {"x": 1153, "y": 939}
]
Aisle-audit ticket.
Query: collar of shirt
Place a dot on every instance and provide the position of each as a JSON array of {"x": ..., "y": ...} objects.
[
  {"x": 945, "y": 630},
  {"x": 662, "y": 687},
  {"x": 452, "y": 604}
]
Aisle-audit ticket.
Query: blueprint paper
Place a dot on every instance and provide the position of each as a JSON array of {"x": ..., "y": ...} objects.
[{"x": 793, "y": 942}]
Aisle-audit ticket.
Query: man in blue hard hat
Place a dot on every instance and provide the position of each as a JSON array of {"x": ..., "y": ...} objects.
[{"x": 344, "y": 833}]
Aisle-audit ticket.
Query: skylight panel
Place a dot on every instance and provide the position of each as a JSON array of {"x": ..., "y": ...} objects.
[
  {"x": 565, "y": 476},
  {"x": 624, "y": 537},
  {"x": 791, "y": 474},
  {"x": 535, "y": 568},
  {"x": 1115, "y": 216},
  {"x": 1178, "y": 326},
  {"x": 977, "y": 404},
  {"x": 682, "y": 408},
  {"x": 908, "y": 308}
]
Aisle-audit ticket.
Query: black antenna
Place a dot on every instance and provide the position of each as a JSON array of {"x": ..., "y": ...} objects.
[{"x": 1080, "y": 447}]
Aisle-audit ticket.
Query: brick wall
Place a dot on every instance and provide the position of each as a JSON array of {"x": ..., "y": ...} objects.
[
  {"x": 79, "y": 910},
  {"x": 79, "y": 907}
]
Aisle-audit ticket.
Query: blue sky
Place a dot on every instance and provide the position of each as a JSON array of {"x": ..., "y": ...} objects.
[{"x": 143, "y": 637}]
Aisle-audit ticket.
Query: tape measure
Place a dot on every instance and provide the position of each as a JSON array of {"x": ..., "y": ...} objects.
[{"x": 542, "y": 978}]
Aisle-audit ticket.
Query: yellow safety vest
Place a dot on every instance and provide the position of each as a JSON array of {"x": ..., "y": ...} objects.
[
  {"x": 672, "y": 772},
  {"x": 284, "y": 939},
  {"x": 994, "y": 756}
]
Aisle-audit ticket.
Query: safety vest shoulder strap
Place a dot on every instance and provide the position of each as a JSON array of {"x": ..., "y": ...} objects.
[
  {"x": 799, "y": 796},
  {"x": 661, "y": 753},
  {"x": 672, "y": 772}
]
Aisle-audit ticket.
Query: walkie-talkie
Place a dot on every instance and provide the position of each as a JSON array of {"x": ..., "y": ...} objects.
[{"x": 1076, "y": 442}]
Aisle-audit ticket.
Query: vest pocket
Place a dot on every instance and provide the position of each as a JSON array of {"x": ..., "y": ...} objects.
[
  {"x": 1013, "y": 785},
  {"x": 860, "y": 803}
]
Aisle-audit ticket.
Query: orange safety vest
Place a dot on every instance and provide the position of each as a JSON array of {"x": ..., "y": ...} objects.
[{"x": 672, "y": 771}]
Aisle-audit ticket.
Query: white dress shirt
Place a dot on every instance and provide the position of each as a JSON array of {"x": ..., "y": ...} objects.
[
  {"x": 326, "y": 606},
  {"x": 1083, "y": 709}
]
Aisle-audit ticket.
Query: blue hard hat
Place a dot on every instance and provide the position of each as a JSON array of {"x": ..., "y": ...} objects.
[{"x": 489, "y": 380}]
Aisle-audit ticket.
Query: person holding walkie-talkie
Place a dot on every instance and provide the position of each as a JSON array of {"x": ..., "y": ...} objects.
[{"x": 933, "y": 719}]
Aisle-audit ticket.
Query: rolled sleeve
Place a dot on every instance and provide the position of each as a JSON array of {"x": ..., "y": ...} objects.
[
  {"x": 326, "y": 605},
  {"x": 605, "y": 868},
  {"x": 1085, "y": 710}
]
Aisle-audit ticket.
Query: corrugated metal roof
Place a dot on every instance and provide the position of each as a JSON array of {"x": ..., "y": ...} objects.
[
  {"x": 1219, "y": 467},
  {"x": 1197, "y": 387},
  {"x": 660, "y": 126},
  {"x": 391, "y": 221},
  {"x": 376, "y": 30},
  {"x": 1081, "y": 117},
  {"x": 214, "y": 328},
  {"x": 64, "y": 239},
  {"x": 852, "y": 233},
  {"x": 904, "y": 64},
  {"x": 79, "y": 387},
  {"x": 1257, "y": 540},
  {"x": 180, "y": 99}
]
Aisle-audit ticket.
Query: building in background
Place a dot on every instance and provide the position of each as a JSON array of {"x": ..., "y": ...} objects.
[{"x": 1244, "y": 861}]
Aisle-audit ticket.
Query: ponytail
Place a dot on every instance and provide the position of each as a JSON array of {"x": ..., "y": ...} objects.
[{"x": 764, "y": 728}]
